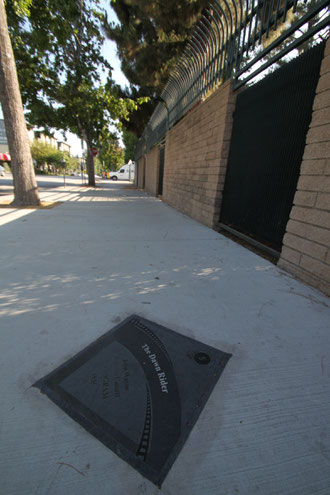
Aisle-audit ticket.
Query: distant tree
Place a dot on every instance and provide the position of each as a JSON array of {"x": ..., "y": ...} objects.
[
  {"x": 130, "y": 141},
  {"x": 25, "y": 186},
  {"x": 44, "y": 154},
  {"x": 72, "y": 163},
  {"x": 111, "y": 154}
]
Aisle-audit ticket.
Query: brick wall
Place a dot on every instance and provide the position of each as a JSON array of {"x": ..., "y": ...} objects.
[
  {"x": 140, "y": 172},
  {"x": 306, "y": 244},
  {"x": 196, "y": 156},
  {"x": 152, "y": 171}
]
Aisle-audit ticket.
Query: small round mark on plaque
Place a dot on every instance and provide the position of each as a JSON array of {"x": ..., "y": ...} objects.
[{"x": 202, "y": 358}]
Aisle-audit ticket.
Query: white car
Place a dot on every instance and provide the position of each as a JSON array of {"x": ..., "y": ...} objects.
[{"x": 2, "y": 171}]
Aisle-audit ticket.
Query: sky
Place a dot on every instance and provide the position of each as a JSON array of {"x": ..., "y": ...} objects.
[{"x": 110, "y": 49}]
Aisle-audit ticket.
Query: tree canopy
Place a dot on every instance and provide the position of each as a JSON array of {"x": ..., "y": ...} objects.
[
  {"x": 59, "y": 60},
  {"x": 150, "y": 38}
]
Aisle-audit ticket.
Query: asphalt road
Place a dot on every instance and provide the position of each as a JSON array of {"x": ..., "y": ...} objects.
[
  {"x": 45, "y": 181},
  {"x": 48, "y": 182}
]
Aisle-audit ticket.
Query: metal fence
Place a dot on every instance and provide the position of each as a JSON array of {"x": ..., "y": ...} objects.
[{"x": 233, "y": 39}]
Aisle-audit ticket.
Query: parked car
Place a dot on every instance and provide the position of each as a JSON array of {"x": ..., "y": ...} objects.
[{"x": 2, "y": 171}]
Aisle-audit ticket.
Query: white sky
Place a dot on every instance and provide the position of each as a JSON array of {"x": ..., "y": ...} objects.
[{"x": 109, "y": 50}]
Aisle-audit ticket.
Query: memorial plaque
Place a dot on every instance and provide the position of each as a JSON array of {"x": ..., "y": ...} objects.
[{"x": 139, "y": 389}]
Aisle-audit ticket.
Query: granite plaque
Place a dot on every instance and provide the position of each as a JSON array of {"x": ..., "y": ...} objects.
[{"x": 139, "y": 389}]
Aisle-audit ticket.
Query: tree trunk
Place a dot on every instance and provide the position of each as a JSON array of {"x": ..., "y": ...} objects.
[
  {"x": 90, "y": 162},
  {"x": 25, "y": 186}
]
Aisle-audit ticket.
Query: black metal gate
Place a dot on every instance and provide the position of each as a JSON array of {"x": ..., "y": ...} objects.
[
  {"x": 268, "y": 139},
  {"x": 161, "y": 170}
]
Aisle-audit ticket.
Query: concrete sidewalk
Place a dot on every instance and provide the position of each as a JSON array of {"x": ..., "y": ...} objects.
[{"x": 69, "y": 274}]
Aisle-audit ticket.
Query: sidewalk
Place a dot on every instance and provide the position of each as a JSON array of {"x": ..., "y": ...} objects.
[{"x": 69, "y": 274}]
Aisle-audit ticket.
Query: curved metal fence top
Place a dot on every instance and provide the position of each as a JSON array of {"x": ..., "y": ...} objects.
[{"x": 233, "y": 38}]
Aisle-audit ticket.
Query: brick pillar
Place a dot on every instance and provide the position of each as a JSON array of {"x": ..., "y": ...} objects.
[
  {"x": 306, "y": 244},
  {"x": 152, "y": 171},
  {"x": 196, "y": 155},
  {"x": 140, "y": 172}
]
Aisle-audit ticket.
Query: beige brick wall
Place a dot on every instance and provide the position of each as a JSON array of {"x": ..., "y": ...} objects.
[
  {"x": 140, "y": 172},
  {"x": 196, "y": 156},
  {"x": 306, "y": 244},
  {"x": 152, "y": 171}
]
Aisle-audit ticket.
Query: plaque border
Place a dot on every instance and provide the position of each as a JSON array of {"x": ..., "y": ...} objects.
[{"x": 97, "y": 426}]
